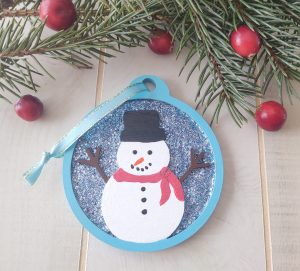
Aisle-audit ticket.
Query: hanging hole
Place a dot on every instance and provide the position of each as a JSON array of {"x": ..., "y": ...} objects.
[{"x": 150, "y": 84}]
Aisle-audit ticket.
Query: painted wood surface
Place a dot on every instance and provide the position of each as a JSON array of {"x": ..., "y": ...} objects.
[{"x": 39, "y": 232}]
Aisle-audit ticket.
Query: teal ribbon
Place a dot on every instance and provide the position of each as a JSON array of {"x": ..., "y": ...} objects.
[{"x": 82, "y": 127}]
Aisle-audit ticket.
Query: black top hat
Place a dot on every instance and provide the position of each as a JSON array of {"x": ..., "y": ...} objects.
[{"x": 142, "y": 126}]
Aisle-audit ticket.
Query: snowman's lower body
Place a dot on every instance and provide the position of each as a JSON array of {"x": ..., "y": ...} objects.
[{"x": 132, "y": 211}]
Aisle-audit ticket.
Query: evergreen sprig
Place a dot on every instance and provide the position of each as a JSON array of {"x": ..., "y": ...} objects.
[{"x": 204, "y": 27}]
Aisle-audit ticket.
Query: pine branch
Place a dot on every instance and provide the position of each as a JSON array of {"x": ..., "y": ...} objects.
[
  {"x": 279, "y": 27},
  {"x": 97, "y": 29},
  {"x": 204, "y": 27},
  {"x": 229, "y": 79},
  {"x": 229, "y": 84}
]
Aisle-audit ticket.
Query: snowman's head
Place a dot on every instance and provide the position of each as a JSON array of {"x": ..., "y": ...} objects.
[{"x": 143, "y": 158}]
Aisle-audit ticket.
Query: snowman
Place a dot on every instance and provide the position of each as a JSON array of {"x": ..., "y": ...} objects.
[{"x": 143, "y": 201}]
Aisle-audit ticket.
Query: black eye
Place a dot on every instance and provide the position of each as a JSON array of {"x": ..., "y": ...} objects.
[
  {"x": 134, "y": 151},
  {"x": 149, "y": 152}
]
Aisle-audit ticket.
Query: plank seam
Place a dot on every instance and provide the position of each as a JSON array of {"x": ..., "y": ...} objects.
[
  {"x": 85, "y": 234},
  {"x": 265, "y": 198},
  {"x": 83, "y": 249}
]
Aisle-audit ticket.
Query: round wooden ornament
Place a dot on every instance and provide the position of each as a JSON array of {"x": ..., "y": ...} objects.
[
  {"x": 142, "y": 172},
  {"x": 148, "y": 175}
]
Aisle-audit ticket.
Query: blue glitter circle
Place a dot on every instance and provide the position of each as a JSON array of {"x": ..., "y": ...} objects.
[{"x": 183, "y": 134}]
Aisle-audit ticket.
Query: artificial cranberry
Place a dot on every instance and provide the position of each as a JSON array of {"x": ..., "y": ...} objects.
[
  {"x": 29, "y": 108},
  {"x": 270, "y": 116},
  {"x": 58, "y": 14},
  {"x": 245, "y": 41},
  {"x": 161, "y": 42}
]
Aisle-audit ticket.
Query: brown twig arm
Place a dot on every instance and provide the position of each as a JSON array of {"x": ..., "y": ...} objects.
[
  {"x": 196, "y": 163},
  {"x": 94, "y": 161}
]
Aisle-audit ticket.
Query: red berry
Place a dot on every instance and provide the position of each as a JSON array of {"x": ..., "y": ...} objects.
[
  {"x": 245, "y": 41},
  {"x": 270, "y": 116},
  {"x": 161, "y": 42},
  {"x": 29, "y": 108},
  {"x": 58, "y": 14}
]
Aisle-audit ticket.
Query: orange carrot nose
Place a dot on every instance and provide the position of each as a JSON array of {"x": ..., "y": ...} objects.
[{"x": 138, "y": 161}]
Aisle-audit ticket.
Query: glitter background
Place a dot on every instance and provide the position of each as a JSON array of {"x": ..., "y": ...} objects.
[{"x": 182, "y": 134}]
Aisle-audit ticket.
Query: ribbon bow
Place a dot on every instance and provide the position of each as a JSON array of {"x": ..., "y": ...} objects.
[{"x": 82, "y": 127}]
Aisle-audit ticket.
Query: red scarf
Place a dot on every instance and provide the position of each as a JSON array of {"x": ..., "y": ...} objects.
[{"x": 166, "y": 176}]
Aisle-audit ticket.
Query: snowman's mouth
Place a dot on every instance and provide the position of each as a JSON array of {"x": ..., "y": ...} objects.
[{"x": 139, "y": 168}]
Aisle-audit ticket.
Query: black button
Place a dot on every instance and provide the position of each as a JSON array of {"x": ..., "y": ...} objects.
[
  {"x": 137, "y": 168},
  {"x": 143, "y": 199},
  {"x": 150, "y": 164},
  {"x": 143, "y": 188},
  {"x": 142, "y": 169},
  {"x": 146, "y": 167},
  {"x": 144, "y": 212}
]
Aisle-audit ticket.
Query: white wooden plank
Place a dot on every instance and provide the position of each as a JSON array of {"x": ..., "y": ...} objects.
[
  {"x": 233, "y": 238},
  {"x": 282, "y": 151},
  {"x": 38, "y": 230}
]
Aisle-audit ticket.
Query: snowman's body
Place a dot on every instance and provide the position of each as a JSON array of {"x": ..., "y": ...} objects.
[{"x": 132, "y": 210}]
